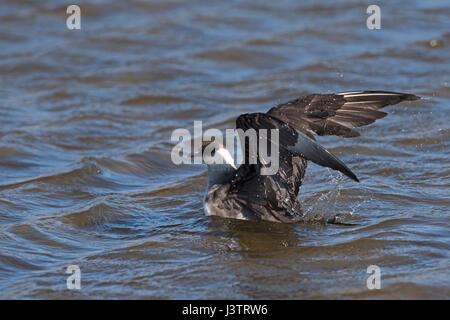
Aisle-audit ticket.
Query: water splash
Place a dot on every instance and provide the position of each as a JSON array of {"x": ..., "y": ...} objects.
[{"x": 325, "y": 207}]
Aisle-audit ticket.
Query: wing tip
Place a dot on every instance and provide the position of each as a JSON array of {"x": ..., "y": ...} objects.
[
  {"x": 403, "y": 96},
  {"x": 350, "y": 174},
  {"x": 411, "y": 97}
]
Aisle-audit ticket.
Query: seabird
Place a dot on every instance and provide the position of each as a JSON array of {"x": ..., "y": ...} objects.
[{"x": 244, "y": 193}]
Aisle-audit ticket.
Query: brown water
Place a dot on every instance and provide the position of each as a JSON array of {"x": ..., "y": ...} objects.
[{"x": 85, "y": 171}]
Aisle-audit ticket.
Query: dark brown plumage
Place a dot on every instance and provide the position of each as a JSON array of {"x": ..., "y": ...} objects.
[
  {"x": 337, "y": 114},
  {"x": 246, "y": 194}
]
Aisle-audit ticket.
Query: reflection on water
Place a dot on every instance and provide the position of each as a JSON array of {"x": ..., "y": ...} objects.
[{"x": 85, "y": 171}]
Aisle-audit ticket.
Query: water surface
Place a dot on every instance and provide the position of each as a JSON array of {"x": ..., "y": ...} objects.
[{"x": 85, "y": 171}]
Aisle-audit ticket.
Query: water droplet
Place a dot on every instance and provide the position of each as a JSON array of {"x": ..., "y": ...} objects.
[{"x": 433, "y": 43}]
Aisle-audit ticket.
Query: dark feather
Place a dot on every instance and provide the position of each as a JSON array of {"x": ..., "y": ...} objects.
[
  {"x": 337, "y": 114},
  {"x": 293, "y": 142},
  {"x": 252, "y": 196}
]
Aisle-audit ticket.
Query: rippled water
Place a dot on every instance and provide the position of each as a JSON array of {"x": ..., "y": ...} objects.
[{"x": 85, "y": 171}]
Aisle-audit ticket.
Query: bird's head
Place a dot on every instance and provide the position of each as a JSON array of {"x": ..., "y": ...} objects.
[{"x": 215, "y": 153}]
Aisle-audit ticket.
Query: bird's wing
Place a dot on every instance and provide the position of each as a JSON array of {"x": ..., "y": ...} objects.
[
  {"x": 252, "y": 190},
  {"x": 266, "y": 197},
  {"x": 291, "y": 142},
  {"x": 337, "y": 114}
]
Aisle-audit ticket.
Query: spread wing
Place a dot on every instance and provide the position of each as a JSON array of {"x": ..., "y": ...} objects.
[
  {"x": 337, "y": 114},
  {"x": 273, "y": 197},
  {"x": 267, "y": 197},
  {"x": 290, "y": 142},
  {"x": 275, "y": 194}
]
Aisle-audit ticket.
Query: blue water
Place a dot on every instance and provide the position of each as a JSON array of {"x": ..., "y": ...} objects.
[{"x": 85, "y": 173}]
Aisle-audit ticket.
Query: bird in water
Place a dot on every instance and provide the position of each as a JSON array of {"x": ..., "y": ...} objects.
[{"x": 245, "y": 193}]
